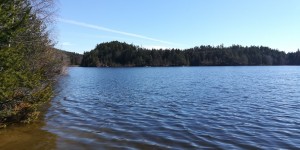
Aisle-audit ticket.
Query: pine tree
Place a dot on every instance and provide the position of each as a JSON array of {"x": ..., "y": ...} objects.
[{"x": 27, "y": 61}]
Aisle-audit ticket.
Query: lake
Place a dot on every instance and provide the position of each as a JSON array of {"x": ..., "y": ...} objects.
[{"x": 168, "y": 108}]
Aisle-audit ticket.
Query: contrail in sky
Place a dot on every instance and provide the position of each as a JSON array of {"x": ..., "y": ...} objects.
[{"x": 113, "y": 31}]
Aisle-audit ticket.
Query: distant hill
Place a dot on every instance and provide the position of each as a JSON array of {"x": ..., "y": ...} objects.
[
  {"x": 122, "y": 54},
  {"x": 70, "y": 58}
]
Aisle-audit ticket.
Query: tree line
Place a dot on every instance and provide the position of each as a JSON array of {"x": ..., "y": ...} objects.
[
  {"x": 28, "y": 60},
  {"x": 73, "y": 59},
  {"x": 69, "y": 58},
  {"x": 113, "y": 54}
]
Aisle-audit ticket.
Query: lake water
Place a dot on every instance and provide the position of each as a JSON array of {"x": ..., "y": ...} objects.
[{"x": 168, "y": 108}]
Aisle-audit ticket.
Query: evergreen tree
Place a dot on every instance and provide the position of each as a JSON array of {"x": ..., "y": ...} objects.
[
  {"x": 122, "y": 54},
  {"x": 27, "y": 61}
]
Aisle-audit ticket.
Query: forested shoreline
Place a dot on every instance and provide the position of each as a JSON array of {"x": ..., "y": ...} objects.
[
  {"x": 29, "y": 62},
  {"x": 117, "y": 54},
  {"x": 72, "y": 58}
]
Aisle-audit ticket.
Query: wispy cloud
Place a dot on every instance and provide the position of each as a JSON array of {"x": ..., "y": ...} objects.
[
  {"x": 82, "y": 24},
  {"x": 155, "y": 47}
]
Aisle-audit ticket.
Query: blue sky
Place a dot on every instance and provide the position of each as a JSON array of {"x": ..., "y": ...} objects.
[{"x": 179, "y": 23}]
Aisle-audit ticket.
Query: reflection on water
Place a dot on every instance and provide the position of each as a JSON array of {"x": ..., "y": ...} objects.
[{"x": 27, "y": 137}]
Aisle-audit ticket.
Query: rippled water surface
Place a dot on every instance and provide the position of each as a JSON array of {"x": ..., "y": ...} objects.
[{"x": 176, "y": 108}]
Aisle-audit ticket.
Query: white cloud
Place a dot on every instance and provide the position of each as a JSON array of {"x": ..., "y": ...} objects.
[
  {"x": 82, "y": 24},
  {"x": 155, "y": 47}
]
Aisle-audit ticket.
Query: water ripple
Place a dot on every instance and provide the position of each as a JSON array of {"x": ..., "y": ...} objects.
[{"x": 177, "y": 108}]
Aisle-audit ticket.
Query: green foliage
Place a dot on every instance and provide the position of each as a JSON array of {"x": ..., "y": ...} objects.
[
  {"x": 122, "y": 54},
  {"x": 27, "y": 62},
  {"x": 294, "y": 58},
  {"x": 13, "y": 14},
  {"x": 72, "y": 58}
]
